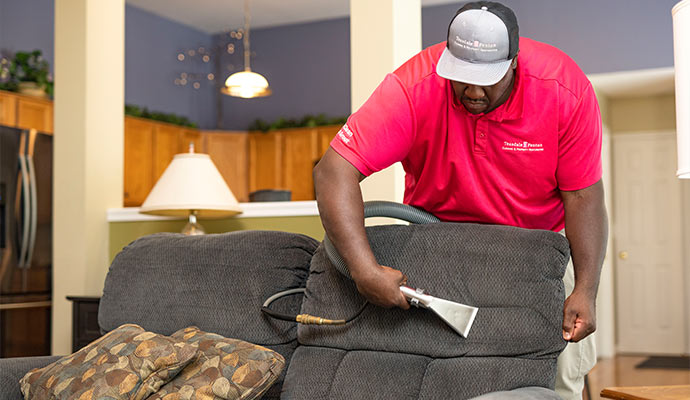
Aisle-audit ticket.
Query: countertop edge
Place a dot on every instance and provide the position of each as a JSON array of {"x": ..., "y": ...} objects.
[{"x": 249, "y": 210}]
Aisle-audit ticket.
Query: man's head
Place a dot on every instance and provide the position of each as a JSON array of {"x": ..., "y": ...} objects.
[{"x": 480, "y": 55}]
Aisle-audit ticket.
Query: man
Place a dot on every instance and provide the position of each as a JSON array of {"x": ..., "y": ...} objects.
[{"x": 490, "y": 128}]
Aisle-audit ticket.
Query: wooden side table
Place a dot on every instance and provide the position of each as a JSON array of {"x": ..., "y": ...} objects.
[
  {"x": 85, "y": 327},
  {"x": 676, "y": 392}
]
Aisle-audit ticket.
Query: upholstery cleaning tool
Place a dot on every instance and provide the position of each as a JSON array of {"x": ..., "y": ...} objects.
[{"x": 460, "y": 317}]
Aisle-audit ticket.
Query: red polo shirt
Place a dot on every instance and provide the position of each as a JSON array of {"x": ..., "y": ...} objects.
[{"x": 504, "y": 167}]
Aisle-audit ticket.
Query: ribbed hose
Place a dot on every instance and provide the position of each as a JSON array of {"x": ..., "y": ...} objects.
[{"x": 380, "y": 209}]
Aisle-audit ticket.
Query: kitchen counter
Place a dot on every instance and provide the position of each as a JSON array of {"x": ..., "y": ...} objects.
[{"x": 250, "y": 210}]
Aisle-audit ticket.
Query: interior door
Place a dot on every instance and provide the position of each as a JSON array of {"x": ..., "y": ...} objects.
[{"x": 650, "y": 309}]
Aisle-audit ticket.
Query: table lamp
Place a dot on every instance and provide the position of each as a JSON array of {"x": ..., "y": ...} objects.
[{"x": 192, "y": 187}]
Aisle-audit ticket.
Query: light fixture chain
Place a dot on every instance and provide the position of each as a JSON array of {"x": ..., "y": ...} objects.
[{"x": 247, "y": 51}]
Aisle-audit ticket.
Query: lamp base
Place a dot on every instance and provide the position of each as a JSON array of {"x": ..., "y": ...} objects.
[{"x": 193, "y": 228}]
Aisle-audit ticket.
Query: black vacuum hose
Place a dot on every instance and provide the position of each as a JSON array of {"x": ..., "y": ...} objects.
[{"x": 380, "y": 209}]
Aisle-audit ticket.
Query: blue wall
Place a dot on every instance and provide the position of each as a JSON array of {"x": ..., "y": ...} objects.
[
  {"x": 600, "y": 35},
  {"x": 152, "y": 44},
  {"x": 19, "y": 33},
  {"x": 308, "y": 65}
]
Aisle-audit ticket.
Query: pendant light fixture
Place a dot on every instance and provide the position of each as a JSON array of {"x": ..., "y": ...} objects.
[{"x": 246, "y": 84}]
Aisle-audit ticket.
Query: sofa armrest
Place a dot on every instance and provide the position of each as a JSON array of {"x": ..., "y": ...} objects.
[{"x": 13, "y": 369}]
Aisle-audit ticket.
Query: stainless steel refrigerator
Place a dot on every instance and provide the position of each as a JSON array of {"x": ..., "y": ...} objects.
[{"x": 26, "y": 163}]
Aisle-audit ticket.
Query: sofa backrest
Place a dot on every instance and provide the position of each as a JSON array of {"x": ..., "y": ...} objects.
[
  {"x": 164, "y": 282},
  {"x": 513, "y": 275}
]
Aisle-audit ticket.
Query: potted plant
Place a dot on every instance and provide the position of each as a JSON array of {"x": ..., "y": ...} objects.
[{"x": 28, "y": 73}]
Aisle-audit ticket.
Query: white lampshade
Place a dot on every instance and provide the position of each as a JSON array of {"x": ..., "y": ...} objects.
[
  {"x": 681, "y": 57},
  {"x": 191, "y": 182},
  {"x": 246, "y": 84}
]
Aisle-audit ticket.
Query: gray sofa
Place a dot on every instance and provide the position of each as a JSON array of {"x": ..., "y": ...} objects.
[{"x": 164, "y": 282}]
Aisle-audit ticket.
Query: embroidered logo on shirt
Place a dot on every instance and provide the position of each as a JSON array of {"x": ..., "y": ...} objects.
[
  {"x": 345, "y": 134},
  {"x": 522, "y": 146}
]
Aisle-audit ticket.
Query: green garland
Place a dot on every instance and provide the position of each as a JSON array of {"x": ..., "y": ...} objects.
[
  {"x": 143, "y": 112},
  {"x": 308, "y": 121}
]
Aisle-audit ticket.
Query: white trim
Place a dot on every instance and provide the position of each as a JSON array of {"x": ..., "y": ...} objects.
[
  {"x": 635, "y": 83},
  {"x": 249, "y": 210}
]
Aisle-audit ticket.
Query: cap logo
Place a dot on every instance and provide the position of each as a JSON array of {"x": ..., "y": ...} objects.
[{"x": 476, "y": 45}]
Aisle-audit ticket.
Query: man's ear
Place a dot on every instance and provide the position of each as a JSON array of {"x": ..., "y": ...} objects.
[{"x": 513, "y": 65}]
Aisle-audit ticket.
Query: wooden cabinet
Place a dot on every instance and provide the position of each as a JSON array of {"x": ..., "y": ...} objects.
[
  {"x": 300, "y": 153},
  {"x": 229, "y": 152},
  {"x": 265, "y": 161},
  {"x": 325, "y": 135},
  {"x": 35, "y": 113},
  {"x": 8, "y": 109},
  {"x": 285, "y": 159},
  {"x": 26, "y": 112},
  {"x": 191, "y": 136},
  {"x": 166, "y": 143},
  {"x": 138, "y": 165}
]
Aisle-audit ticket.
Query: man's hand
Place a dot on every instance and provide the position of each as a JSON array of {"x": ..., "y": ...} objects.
[
  {"x": 579, "y": 316},
  {"x": 381, "y": 286}
]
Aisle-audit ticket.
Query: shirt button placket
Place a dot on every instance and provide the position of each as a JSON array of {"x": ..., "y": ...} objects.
[{"x": 480, "y": 135}]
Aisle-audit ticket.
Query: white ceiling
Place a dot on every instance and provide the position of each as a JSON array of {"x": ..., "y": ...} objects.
[{"x": 214, "y": 16}]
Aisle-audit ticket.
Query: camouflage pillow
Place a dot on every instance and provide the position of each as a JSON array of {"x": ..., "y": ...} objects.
[
  {"x": 126, "y": 363},
  {"x": 224, "y": 369}
]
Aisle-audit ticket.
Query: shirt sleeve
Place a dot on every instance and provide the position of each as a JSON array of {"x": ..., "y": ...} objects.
[
  {"x": 381, "y": 132},
  {"x": 579, "y": 144}
]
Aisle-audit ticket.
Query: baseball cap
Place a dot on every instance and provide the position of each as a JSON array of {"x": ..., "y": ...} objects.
[{"x": 483, "y": 39}]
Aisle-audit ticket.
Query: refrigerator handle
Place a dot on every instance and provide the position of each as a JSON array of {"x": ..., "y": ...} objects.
[
  {"x": 24, "y": 188},
  {"x": 33, "y": 194}
]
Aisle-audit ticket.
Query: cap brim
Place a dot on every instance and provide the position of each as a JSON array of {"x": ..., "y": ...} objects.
[{"x": 480, "y": 74}]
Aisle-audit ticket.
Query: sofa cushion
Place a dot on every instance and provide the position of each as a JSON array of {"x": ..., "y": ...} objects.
[
  {"x": 127, "y": 363},
  {"x": 513, "y": 275},
  {"x": 165, "y": 282},
  {"x": 362, "y": 374},
  {"x": 223, "y": 369}
]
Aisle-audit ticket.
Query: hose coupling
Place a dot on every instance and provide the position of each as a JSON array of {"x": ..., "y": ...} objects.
[{"x": 307, "y": 319}]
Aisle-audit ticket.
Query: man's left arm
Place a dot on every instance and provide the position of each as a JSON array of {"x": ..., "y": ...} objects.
[{"x": 586, "y": 227}]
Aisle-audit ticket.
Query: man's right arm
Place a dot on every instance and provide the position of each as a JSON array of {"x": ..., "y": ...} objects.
[{"x": 339, "y": 199}]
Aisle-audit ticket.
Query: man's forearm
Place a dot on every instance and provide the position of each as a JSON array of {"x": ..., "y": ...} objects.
[
  {"x": 339, "y": 199},
  {"x": 586, "y": 227}
]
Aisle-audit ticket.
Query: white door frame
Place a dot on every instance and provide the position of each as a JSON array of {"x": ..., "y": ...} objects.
[{"x": 605, "y": 336}]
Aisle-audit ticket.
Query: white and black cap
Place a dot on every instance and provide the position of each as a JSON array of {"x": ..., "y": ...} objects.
[{"x": 483, "y": 39}]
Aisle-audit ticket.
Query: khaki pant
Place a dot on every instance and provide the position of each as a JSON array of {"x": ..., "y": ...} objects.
[{"x": 577, "y": 359}]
